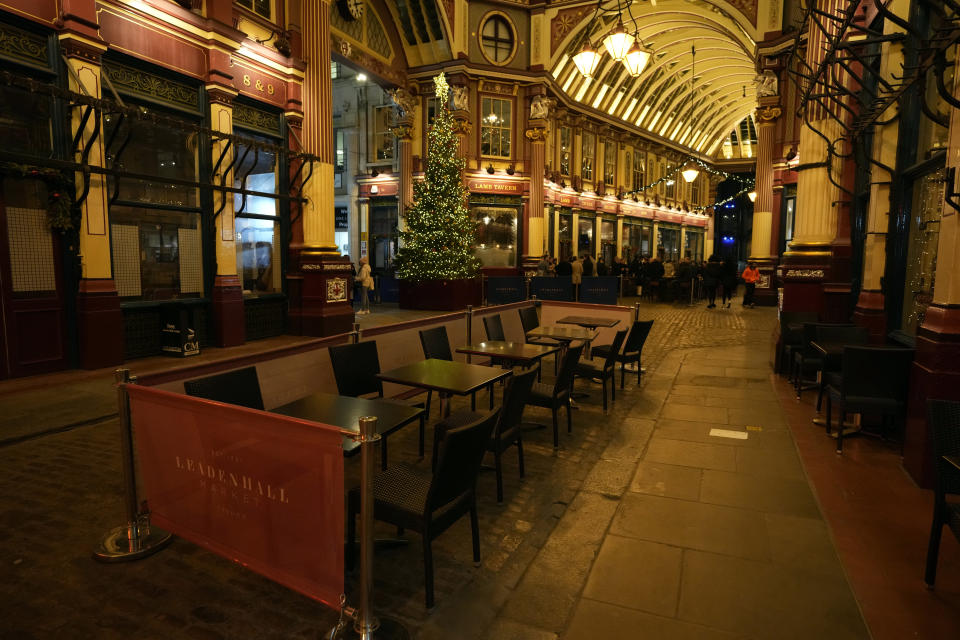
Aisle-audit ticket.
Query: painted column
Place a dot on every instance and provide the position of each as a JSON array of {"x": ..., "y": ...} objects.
[
  {"x": 620, "y": 238},
  {"x": 936, "y": 367},
  {"x": 319, "y": 278},
  {"x": 100, "y": 338},
  {"x": 766, "y": 118},
  {"x": 869, "y": 311},
  {"x": 227, "y": 295},
  {"x": 404, "y": 131},
  {"x": 534, "y": 243}
]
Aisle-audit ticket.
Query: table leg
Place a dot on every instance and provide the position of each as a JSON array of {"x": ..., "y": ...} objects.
[{"x": 444, "y": 405}]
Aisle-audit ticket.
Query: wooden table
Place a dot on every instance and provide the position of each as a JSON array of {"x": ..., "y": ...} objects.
[
  {"x": 509, "y": 351},
  {"x": 345, "y": 412},
  {"x": 446, "y": 377},
  {"x": 589, "y": 322},
  {"x": 564, "y": 334}
]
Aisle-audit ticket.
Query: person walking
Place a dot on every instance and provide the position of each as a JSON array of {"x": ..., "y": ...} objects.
[
  {"x": 729, "y": 280},
  {"x": 366, "y": 284},
  {"x": 751, "y": 275},
  {"x": 588, "y": 269},
  {"x": 712, "y": 274}
]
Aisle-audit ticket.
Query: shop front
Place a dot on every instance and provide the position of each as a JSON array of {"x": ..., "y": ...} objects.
[
  {"x": 496, "y": 209},
  {"x": 637, "y": 237},
  {"x": 668, "y": 242},
  {"x": 693, "y": 239}
]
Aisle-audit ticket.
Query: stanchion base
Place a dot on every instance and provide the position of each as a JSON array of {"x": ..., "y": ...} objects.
[
  {"x": 389, "y": 629},
  {"x": 115, "y": 547}
]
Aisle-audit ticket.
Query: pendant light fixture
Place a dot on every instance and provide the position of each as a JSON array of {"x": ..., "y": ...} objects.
[
  {"x": 690, "y": 173},
  {"x": 587, "y": 60},
  {"x": 636, "y": 60},
  {"x": 617, "y": 42}
]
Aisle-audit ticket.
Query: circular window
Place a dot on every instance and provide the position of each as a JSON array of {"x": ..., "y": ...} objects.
[{"x": 497, "y": 41}]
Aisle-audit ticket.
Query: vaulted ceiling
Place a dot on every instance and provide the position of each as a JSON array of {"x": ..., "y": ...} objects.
[{"x": 698, "y": 84}]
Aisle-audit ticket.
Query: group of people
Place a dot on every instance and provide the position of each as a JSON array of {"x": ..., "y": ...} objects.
[{"x": 719, "y": 276}]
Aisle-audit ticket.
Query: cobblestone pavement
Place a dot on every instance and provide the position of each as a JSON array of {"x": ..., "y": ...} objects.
[{"x": 61, "y": 492}]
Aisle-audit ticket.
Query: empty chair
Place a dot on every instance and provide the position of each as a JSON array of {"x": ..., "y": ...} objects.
[
  {"x": 837, "y": 334},
  {"x": 558, "y": 394},
  {"x": 874, "y": 379},
  {"x": 355, "y": 368},
  {"x": 944, "y": 420},
  {"x": 604, "y": 369},
  {"x": 791, "y": 337},
  {"x": 240, "y": 387},
  {"x": 806, "y": 359},
  {"x": 494, "y": 327},
  {"x": 429, "y": 503},
  {"x": 436, "y": 344},
  {"x": 530, "y": 321},
  {"x": 507, "y": 432},
  {"x": 632, "y": 348}
]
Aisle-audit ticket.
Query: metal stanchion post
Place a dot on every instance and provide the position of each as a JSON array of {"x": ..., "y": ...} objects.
[
  {"x": 355, "y": 334},
  {"x": 692, "y": 282},
  {"x": 137, "y": 539},
  {"x": 367, "y": 626},
  {"x": 636, "y": 312},
  {"x": 469, "y": 329}
]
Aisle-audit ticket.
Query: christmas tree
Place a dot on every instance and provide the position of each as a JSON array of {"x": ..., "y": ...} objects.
[{"x": 437, "y": 244}]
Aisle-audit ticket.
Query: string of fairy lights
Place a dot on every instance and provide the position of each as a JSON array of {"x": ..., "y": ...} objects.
[{"x": 746, "y": 185}]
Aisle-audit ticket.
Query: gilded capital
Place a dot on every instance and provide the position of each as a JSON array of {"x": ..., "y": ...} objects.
[
  {"x": 461, "y": 126},
  {"x": 402, "y": 132},
  {"x": 768, "y": 113},
  {"x": 536, "y": 134}
]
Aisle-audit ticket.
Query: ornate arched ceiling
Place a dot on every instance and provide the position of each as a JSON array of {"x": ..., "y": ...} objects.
[{"x": 690, "y": 99}]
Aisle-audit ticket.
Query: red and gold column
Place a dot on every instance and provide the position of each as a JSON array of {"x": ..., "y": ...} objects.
[
  {"x": 319, "y": 278},
  {"x": 99, "y": 318},
  {"x": 766, "y": 118},
  {"x": 227, "y": 295}
]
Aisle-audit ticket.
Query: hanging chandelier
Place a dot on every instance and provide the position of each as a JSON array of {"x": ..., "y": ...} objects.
[{"x": 621, "y": 45}]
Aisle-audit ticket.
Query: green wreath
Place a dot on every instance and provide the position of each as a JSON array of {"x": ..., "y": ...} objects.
[{"x": 60, "y": 209}]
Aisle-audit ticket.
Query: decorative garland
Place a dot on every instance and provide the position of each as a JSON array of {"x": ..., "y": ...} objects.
[{"x": 60, "y": 209}]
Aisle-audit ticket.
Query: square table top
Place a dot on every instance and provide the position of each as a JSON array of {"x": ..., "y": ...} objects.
[
  {"x": 517, "y": 351},
  {"x": 444, "y": 375},
  {"x": 590, "y": 322},
  {"x": 562, "y": 333},
  {"x": 345, "y": 412}
]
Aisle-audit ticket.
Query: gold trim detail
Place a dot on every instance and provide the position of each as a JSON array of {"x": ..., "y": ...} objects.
[
  {"x": 768, "y": 113},
  {"x": 24, "y": 46},
  {"x": 536, "y": 134}
]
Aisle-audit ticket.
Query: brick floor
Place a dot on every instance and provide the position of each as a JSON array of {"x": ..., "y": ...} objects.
[{"x": 627, "y": 485}]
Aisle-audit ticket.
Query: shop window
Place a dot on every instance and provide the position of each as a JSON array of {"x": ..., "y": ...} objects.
[
  {"x": 339, "y": 151},
  {"x": 383, "y": 140},
  {"x": 25, "y": 125},
  {"x": 608, "y": 241},
  {"x": 497, "y": 39},
  {"x": 610, "y": 163},
  {"x": 587, "y": 151},
  {"x": 383, "y": 230},
  {"x": 693, "y": 245},
  {"x": 495, "y": 129},
  {"x": 432, "y": 110},
  {"x": 586, "y": 242},
  {"x": 789, "y": 215},
  {"x": 639, "y": 170},
  {"x": 636, "y": 240},
  {"x": 341, "y": 233},
  {"x": 155, "y": 224},
  {"x": 256, "y": 225},
  {"x": 668, "y": 244},
  {"x": 334, "y": 70},
  {"x": 920, "y": 279},
  {"x": 495, "y": 235},
  {"x": 259, "y": 7},
  {"x": 566, "y": 148}
]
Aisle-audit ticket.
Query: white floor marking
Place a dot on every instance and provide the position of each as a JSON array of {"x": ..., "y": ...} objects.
[{"x": 727, "y": 433}]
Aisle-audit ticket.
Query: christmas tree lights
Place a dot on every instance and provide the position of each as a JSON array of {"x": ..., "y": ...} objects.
[{"x": 438, "y": 241}]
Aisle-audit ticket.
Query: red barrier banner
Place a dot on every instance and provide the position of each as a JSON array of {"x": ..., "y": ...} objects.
[{"x": 263, "y": 490}]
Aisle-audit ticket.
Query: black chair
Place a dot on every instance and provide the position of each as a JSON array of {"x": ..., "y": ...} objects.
[
  {"x": 841, "y": 334},
  {"x": 791, "y": 338},
  {"x": 806, "y": 359},
  {"x": 240, "y": 387},
  {"x": 429, "y": 503},
  {"x": 874, "y": 379},
  {"x": 603, "y": 370},
  {"x": 507, "y": 432},
  {"x": 944, "y": 419},
  {"x": 494, "y": 327},
  {"x": 355, "y": 368},
  {"x": 530, "y": 321},
  {"x": 558, "y": 395},
  {"x": 436, "y": 344},
  {"x": 632, "y": 348}
]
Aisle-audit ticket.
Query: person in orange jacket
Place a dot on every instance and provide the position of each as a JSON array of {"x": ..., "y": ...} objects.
[{"x": 751, "y": 275}]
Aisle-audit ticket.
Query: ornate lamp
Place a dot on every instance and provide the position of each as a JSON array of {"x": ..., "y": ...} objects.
[
  {"x": 690, "y": 173},
  {"x": 587, "y": 60},
  {"x": 618, "y": 42},
  {"x": 636, "y": 59}
]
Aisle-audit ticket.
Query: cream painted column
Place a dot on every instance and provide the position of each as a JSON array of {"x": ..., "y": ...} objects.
[
  {"x": 94, "y": 234},
  {"x": 620, "y": 236},
  {"x": 946, "y": 292},
  {"x": 597, "y": 240},
  {"x": 815, "y": 224},
  {"x": 766, "y": 118},
  {"x": 318, "y": 217},
  {"x": 404, "y": 134},
  {"x": 221, "y": 121},
  {"x": 534, "y": 242},
  {"x": 575, "y": 235},
  {"x": 683, "y": 237}
]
